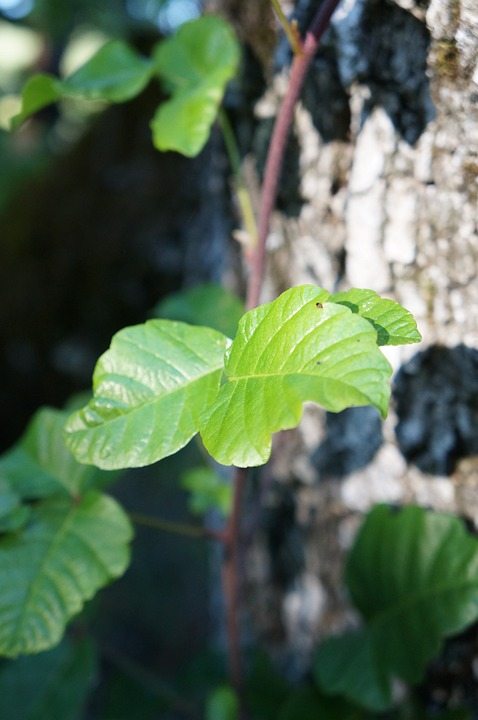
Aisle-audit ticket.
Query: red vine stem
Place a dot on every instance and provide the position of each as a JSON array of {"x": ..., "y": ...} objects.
[
  {"x": 278, "y": 144},
  {"x": 275, "y": 157}
]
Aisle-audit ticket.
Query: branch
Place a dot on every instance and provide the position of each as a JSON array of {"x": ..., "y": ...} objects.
[{"x": 277, "y": 147}]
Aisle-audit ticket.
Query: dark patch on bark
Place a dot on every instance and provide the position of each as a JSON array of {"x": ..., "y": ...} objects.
[
  {"x": 436, "y": 395},
  {"x": 326, "y": 99},
  {"x": 393, "y": 47},
  {"x": 353, "y": 438}
]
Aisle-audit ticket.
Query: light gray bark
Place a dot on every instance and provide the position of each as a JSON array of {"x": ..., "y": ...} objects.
[{"x": 387, "y": 138}]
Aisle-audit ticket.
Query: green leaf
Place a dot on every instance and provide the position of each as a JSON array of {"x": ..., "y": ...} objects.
[
  {"x": 51, "y": 686},
  {"x": 209, "y": 305},
  {"x": 413, "y": 575},
  {"x": 298, "y": 348},
  {"x": 394, "y": 324},
  {"x": 40, "y": 464},
  {"x": 149, "y": 389},
  {"x": 222, "y": 704},
  {"x": 9, "y": 500},
  {"x": 115, "y": 73},
  {"x": 195, "y": 65},
  {"x": 208, "y": 491},
  {"x": 15, "y": 520},
  {"x": 306, "y": 703},
  {"x": 38, "y": 92},
  {"x": 66, "y": 553}
]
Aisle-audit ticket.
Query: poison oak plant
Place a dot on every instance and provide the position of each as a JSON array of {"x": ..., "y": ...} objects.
[{"x": 413, "y": 575}]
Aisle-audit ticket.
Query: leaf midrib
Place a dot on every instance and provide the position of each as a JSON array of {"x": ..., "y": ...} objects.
[{"x": 417, "y": 598}]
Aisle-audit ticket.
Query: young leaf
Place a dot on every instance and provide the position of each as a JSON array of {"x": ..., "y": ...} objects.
[
  {"x": 38, "y": 92},
  {"x": 195, "y": 65},
  {"x": 209, "y": 305},
  {"x": 40, "y": 464},
  {"x": 413, "y": 575},
  {"x": 208, "y": 491},
  {"x": 394, "y": 324},
  {"x": 51, "y": 686},
  {"x": 295, "y": 349},
  {"x": 115, "y": 73},
  {"x": 47, "y": 572},
  {"x": 149, "y": 389},
  {"x": 222, "y": 704}
]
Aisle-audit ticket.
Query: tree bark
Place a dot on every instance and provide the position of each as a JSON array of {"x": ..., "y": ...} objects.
[{"x": 379, "y": 190}]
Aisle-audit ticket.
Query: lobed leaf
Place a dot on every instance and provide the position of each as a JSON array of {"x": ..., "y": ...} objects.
[
  {"x": 394, "y": 324},
  {"x": 150, "y": 388},
  {"x": 40, "y": 464},
  {"x": 297, "y": 348},
  {"x": 195, "y": 66},
  {"x": 47, "y": 572},
  {"x": 413, "y": 575}
]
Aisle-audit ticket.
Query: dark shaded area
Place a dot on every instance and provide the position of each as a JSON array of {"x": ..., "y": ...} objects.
[
  {"x": 353, "y": 437},
  {"x": 91, "y": 245},
  {"x": 436, "y": 397},
  {"x": 289, "y": 199},
  {"x": 451, "y": 679},
  {"x": 325, "y": 97},
  {"x": 393, "y": 64},
  {"x": 284, "y": 537}
]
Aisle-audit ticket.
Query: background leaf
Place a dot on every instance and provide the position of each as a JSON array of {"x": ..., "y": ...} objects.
[
  {"x": 39, "y": 91},
  {"x": 413, "y": 575},
  {"x": 208, "y": 491},
  {"x": 47, "y": 572},
  {"x": 295, "y": 349},
  {"x": 115, "y": 73},
  {"x": 394, "y": 324},
  {"x": 50, "y": 686},
  {"x": 195, "y": 65},
  {"x": 222, "y": 704},
  {"x": 149, "y": 390},
  {"x": 40, "y": 464},
  {"x": 209, "y": 305}
]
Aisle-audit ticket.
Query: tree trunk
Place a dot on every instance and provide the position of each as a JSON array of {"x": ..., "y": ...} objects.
[{"x": 380, "y": 191}]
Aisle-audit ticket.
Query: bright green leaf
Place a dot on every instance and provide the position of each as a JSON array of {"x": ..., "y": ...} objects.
[
  {"x": 208, "y": 490},
  {"x": 38, "y": 92},
  {"x": 51, "y": 686},
  {"x": 394, "y": 324},
  {"x": 115, "y": 73},
  {"x": 295, "y": 349},
  {"x": 209, "y": 305},
  {"x": 222, "y": 704},
  {"x": 40, "y": 464},
  {"x": 150, "y": 388},
  {"x": 195, "y": 65},
  {"x": 413, "y": 575},
  {"x": 68, "y": 551}
]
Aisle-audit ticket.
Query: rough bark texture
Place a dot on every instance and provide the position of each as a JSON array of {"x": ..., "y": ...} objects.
[{"x": 379, "y": 190}]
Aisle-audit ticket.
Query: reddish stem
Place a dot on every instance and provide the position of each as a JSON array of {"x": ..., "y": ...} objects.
[
  {"x": 283, "y": 124},
  {"x": 278, "y": 143}
]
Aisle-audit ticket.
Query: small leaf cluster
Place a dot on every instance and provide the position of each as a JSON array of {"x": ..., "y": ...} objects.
[
  {"x": 162, "y": 382},
  {"x": 61, "y": 540},
  {"x": 193, "y": 66}
]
